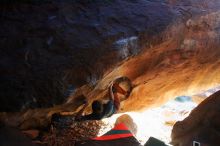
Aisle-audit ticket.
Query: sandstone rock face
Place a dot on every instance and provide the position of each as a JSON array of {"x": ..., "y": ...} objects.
[
  {"x": 183, "y": 58},
  {"x": 176, "y": 67},
  {"x": 202, "y": 125},
  {"x": 51, "y": 47}
]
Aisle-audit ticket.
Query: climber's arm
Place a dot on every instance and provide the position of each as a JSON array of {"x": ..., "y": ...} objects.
[
  {"x": 111, "y": 92},
  {"x": 114, "y": 96}
]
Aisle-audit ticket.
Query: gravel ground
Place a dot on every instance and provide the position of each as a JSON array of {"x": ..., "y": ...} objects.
[{"x": 67, "y": 136}]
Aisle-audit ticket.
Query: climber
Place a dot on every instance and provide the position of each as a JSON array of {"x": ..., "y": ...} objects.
[{"x": 103, "y": 110}]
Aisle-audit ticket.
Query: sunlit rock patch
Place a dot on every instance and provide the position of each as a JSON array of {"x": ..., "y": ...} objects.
[{"x": 198, "y": 98}]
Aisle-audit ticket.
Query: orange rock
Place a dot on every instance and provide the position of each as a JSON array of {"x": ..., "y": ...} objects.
[
  {"x": 31, "y": 133},
  {"x": 170, "y": 123}
]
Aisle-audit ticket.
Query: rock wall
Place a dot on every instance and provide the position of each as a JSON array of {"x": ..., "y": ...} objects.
[
  {"x": 49, "y": 48},
  {"x": 202, "y": 125},
  {"x": 173, "y": 56}
]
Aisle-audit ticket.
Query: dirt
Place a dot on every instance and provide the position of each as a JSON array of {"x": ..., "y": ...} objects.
[{"x": 59, "y": 136}]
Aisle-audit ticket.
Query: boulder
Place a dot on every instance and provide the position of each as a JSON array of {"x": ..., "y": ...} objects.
[{"x": 202, "y": 125}]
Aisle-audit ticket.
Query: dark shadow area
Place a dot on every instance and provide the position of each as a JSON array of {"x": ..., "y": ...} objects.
[
  {"x": 50, "y": 47},
  {"x": 13, "y": 137}
]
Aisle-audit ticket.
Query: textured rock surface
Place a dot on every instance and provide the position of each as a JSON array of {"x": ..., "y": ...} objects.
[
  {"x": 185, "y": 63},
  {"x": 202, "y": 125},
  {"x": 51, "y": 47}
]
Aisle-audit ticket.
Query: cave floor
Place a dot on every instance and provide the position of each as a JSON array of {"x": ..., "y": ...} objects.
[{"x": 156, "y": 122}]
